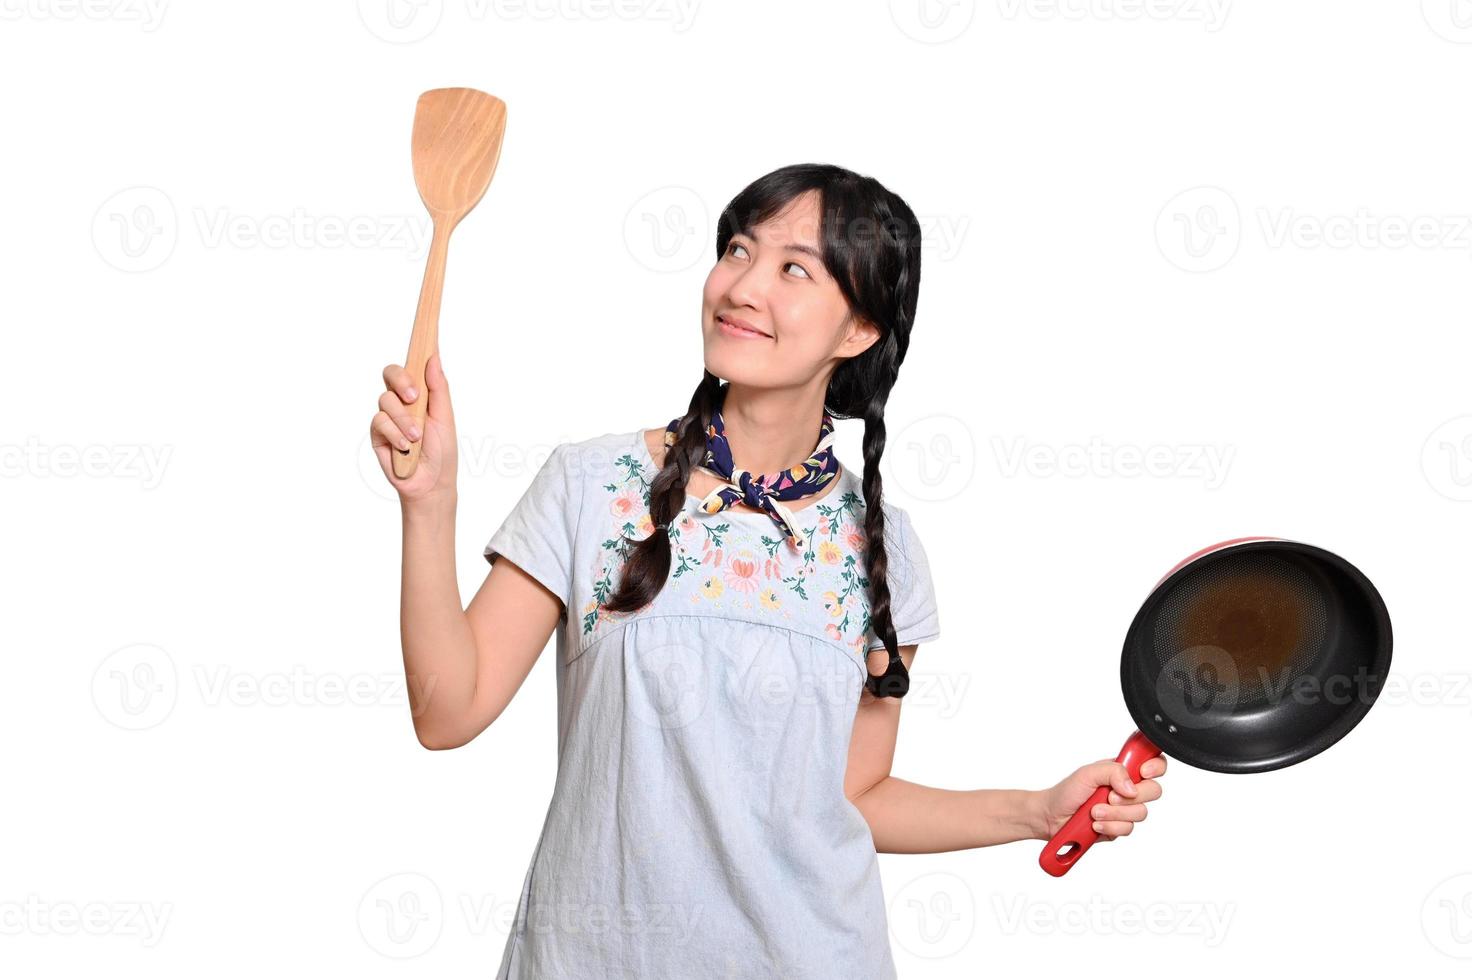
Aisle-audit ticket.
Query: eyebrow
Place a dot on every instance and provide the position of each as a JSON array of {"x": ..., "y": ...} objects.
[{"x": 804, "y": 249}]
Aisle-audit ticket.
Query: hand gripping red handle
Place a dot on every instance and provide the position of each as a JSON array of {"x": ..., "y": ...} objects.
[{"x": 1077, "y": 836}]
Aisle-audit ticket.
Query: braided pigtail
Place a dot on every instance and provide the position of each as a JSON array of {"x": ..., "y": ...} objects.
[
  {"x": 647, "y": 563},
  {"x": 861, "y": 387},
  {"x": 895, "y": 681}
]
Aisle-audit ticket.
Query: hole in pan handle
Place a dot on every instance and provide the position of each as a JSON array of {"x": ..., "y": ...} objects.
[{"x": 1077, "y": 835}]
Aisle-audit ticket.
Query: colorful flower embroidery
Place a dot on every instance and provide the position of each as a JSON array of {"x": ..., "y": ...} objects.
[
  {"x": 729, "y": 571},
  {"x": 742, "y": 572}
]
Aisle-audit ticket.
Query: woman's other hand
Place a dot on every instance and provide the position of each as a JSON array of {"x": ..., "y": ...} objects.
[{"x": 1117, "y": 815}]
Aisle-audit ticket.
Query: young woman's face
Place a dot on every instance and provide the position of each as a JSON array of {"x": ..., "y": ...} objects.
[{"x": 776, "y": 283}]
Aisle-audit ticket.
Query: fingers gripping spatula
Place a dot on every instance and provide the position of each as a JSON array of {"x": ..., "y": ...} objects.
[{"x": 457, "y": 141}]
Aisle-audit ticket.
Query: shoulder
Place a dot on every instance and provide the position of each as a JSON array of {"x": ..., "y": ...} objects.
[
  {"x": 576, "y": 474},
  {"x": 898, "y": 528},
  {"x": 591, "y": 467},
  {"x": 901, "y": 543},
  {"x": 591, "y": 460}
]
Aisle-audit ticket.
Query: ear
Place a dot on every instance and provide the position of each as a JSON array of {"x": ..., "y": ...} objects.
[{"x": 860, "y": 337}]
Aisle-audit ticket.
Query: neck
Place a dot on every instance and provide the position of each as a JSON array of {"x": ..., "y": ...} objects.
[{"x": 772, "y": 429}]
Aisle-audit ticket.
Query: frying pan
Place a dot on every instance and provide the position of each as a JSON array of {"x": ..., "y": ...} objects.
[{"x": 1250, "y": 655}]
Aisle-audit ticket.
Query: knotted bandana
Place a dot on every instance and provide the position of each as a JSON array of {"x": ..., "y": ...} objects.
[{"x": 760, "y": 491}]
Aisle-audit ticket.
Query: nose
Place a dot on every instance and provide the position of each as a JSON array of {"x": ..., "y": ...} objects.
[{"x": 748, "y": 288}]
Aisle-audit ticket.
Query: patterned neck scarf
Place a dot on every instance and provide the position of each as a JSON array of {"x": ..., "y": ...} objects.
[{"x": 760, "y": 491}]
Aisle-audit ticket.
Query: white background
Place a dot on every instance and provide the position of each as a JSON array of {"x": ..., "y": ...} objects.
[{"x": 1234, "y": 235}]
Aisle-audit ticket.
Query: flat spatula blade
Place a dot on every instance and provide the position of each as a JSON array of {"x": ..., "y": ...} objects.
[{"x": 457, "y": 142}]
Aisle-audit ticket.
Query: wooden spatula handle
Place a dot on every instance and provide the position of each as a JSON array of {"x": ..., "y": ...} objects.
[{"x": 423, "y": 342}]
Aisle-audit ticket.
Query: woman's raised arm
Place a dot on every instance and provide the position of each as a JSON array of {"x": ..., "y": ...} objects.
[{"x": 462, "y": 666}]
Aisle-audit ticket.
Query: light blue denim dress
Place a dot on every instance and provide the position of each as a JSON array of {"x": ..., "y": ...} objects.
[{"x": 698, "y": 826}]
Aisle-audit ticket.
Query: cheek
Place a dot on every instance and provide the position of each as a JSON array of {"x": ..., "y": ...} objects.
[
  {"x": 807, "y": 325},
  {"x": 801, "y": 350},
  {"x": 716, "y": 284}
]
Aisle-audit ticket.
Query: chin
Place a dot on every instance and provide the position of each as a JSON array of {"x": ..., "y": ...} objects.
[{"x": 735, "y": 366}]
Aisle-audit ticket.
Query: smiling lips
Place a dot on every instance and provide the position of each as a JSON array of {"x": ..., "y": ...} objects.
[{"x": 739, "y": 328}]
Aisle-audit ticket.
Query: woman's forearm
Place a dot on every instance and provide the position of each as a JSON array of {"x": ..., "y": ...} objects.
[
  {"x": 438, "y": 644},
  {"x": 907, "y": 818}
]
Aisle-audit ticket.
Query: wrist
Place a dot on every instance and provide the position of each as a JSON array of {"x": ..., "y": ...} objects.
[
  {"x": 435, "y": 506},
  {"x": 1035, "y": 816}
]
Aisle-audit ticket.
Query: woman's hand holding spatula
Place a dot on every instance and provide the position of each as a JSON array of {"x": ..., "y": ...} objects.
[
  {"x": 457, "y": 142},
  {"x": 395, "y": 429},
  {"x": 455, "y": 147}
]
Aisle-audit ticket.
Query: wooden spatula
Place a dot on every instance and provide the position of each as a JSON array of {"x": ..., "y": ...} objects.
[{"x": 457, "y": 141}]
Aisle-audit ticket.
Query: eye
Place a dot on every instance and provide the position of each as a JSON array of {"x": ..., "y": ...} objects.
[{"x": 732, "y": 246}]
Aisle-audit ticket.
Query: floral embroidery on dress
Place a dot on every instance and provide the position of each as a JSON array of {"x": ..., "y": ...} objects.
[{"x": 726, "y": 570}]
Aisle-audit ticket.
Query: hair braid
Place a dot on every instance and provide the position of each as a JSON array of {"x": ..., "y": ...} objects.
[
  {"x": 648, "y": 562},
  {"x": 894, "y": 682}
]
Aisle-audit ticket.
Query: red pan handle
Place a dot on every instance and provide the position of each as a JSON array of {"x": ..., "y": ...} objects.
[{"x": 1077, "y": 836}]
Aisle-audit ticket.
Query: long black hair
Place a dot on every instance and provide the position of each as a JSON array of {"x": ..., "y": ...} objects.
[{"x": 871, "y": 246}]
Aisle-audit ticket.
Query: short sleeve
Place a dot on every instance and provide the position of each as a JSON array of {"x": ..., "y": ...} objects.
[
  {"x": 912, "y": 604},
  {"x": 539, "y": 532}
]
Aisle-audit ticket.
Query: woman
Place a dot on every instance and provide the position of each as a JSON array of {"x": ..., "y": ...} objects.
[{"x": 736, "y": 615}]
